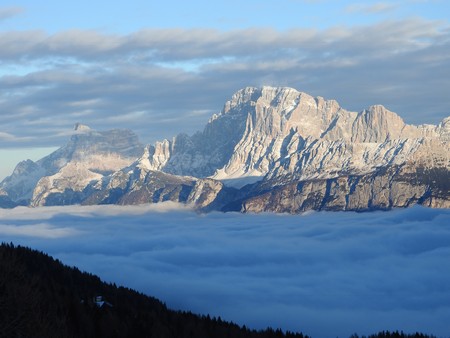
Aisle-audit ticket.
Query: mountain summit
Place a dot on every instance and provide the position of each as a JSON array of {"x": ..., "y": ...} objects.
[
  {"x": 88, "y": 156},
  {"x": 269, "y": 149}
]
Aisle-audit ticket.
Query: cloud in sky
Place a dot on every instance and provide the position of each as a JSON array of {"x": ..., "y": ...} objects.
[
  {"x": 40, "y": 230},
  {"x": 9, "y": 12},
  {"x": 375, "y": 8},
  {"x": 326, "y": 274},
  {"x": 167, "y": 75}
]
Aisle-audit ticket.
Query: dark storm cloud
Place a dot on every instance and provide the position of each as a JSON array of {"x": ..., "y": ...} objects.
[
  {"x": 327, "y": 274},
  {"x": 156, "y": 81}
]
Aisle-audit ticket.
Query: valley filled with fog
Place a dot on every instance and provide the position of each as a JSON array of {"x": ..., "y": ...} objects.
[{"x": 326, "y": 274}]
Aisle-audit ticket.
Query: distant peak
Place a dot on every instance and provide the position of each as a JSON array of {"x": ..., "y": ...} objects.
[
  {"x": 81, "y": 127},
  {"x": 278, "y": 89},
  {"x": 382, "y": 111},
  {"x": 378, "y": 108},
  {"x": 254, "y": 93}
]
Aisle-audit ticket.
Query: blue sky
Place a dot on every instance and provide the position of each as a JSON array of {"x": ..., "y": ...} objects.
[
  {"x": 129, "y": 16},
  {"x": 164, "y": 67}
]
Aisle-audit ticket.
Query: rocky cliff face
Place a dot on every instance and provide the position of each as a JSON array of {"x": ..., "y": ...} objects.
[
  {"x": 383, "y": 189},
  {"x": 280, "y": 131},
  {"x": 298, "y": 152},
  {"x": 203, "y": 153}
]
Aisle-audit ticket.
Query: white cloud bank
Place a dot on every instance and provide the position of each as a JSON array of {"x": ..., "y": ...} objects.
[{"x": 326, "y": 274}]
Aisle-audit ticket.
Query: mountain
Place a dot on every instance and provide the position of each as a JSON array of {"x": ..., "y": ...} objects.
[
  {"x": 281, "y": 131},
  {"x": 64, "y": 174},
  {"x": 269, "y": 149}
]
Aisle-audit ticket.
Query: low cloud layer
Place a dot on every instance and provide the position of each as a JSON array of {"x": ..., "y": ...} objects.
[
  {"x": 326, "y": 274},
  {"x": 160, "y": 82}
]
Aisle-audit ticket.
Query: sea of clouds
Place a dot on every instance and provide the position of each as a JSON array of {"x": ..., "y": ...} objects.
[{"x": 326, "y": 274}]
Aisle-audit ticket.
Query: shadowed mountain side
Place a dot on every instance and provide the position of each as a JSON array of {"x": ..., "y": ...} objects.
[{"x": 384, "y": 189}]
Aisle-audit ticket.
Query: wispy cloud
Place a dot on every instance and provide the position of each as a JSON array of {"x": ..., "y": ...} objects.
[
  {"x": 326, "y": 274},
  {"x": 379, "y": 7},
  {"x": 6, "y": 136},
  {"x": 9, "y": 12},
  {"x": 183, "y": 45},
  {"x": 40, "y": 230}
]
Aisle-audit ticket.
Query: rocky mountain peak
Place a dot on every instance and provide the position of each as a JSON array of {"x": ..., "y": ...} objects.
[
  {"x": 377, "y": 124},
  {"x": 445, "y": 123},
  {"x": 143, "y": 162},
  {"x": 81, "y": 127},
  {"x": 87, "y": 156},
  {"x": 20, "y": 183},
  {"x": 242, "y": 96},
  {"x": 89, "y": 141},
  {"x": 250, "y": 96},
  {"x": 24, "y": 167},
  {"x": 444, "y": 128}
]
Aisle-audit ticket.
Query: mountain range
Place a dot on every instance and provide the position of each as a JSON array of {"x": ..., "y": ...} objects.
[{"x": 269, "y": 149}]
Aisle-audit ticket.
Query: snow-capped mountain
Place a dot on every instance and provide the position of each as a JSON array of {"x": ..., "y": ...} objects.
[{"x": 270, "y": 148}]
